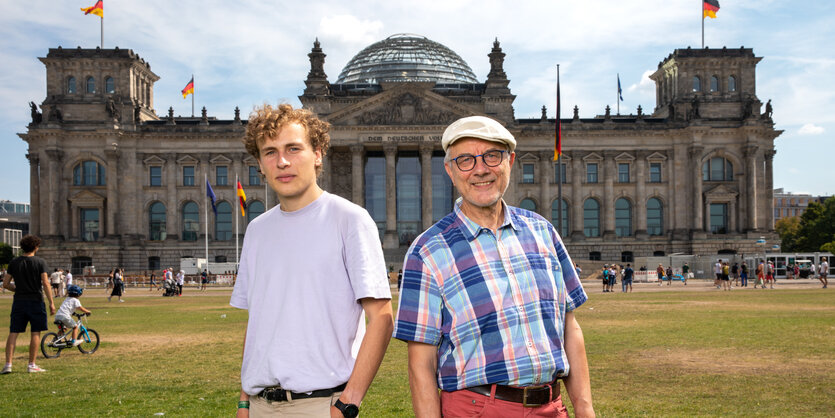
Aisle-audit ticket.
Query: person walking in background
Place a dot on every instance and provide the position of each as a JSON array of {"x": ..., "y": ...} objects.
[
  {"x": 660, "y": 273},
  {"x": 153, "y": 281},
  {"x": 769, "y": 275},
  {"x": 717, "y": 270},
  {"x": 626, "y": 281},
  {"x": 725, "y": 277},
  {"x": 30, "y": 278},
  {"x": 181, "y": 280},
  {"x": 204, "y": 280},
  {"x": 109, "y": 282},
  {"x": 760, "y": 275},
  {"x": 68, "y": 278},
  {"x": 743, "y": 275},
  {"x": 117, "y": 285},
  {"x": 685, "y": 273},
  {"x": 735, "y": 274},
  {"x": 55, "y": 283},
  {"x": 823, "y": 272},
  {"x": 669, "y": 275}
]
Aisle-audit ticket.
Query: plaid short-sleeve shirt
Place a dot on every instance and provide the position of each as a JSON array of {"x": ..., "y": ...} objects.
[{"x": 494, "y": 304}]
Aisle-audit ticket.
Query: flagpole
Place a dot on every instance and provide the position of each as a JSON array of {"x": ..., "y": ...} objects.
[
  {"x": 206, "y": 219},
  {"x": 559, "y": 165},
  {"x": 236, "y": 222},
  {"x": 617, "y": 99},
  {"x": 192, "y": 95},
  {"x": 102, "y": 31},
  {"x": 702, "y": 13}
]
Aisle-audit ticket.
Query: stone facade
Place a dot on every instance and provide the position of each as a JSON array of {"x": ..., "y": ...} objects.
[{"x": 695, "y": 176}]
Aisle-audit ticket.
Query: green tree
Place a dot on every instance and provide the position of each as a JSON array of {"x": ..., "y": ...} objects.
[
  {"x": 817, "y": 226},
  {"x": 6, "y": 253},
  {"x": 788, "y": 228}
]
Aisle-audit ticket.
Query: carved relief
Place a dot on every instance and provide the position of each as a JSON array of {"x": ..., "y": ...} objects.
[
  {"x": 341, "y": 174},
  {"x": 406, "y": 110}
]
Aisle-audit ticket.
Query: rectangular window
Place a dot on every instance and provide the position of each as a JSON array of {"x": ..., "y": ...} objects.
[
  {"x": 254, "y": 176},
  {"x": 591, "y": 173},
  {"x": 623, "y": 173},
  {"x": 188, "y": 175},
  {"x": 527, "y": 173},
  {"x": 156, "y": 176},
  {"x": 655, "y": 172},
  {"x": 719, "y": 218},
  {"x": 559, "y": 173},
  {"x": 221, "y": 175},
  {"x": 89, "y": 224}
]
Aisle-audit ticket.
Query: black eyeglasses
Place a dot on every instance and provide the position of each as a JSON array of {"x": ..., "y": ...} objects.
[{"x": 466, "y": 162}]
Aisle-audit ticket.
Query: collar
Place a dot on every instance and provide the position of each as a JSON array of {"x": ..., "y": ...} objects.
[{"x": 471, "y": 230}]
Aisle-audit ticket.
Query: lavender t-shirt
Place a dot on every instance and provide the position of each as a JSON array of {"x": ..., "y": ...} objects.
[{"x": 301, "y": 277}]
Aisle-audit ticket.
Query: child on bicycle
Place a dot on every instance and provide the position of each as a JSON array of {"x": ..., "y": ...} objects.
[{"x": 64, "y": 314}]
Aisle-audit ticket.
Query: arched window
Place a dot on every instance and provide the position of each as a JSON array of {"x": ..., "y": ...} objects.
[
  {"x": 254, "y": 209},
  {"x": 109, "y": 85},
  {"x": 223, "y": 222},
  {"x": 627, "y": 257},
  {"x": 591, "y": 218},
  {"x": 658, "y": 253},
  {"x": 655, "y": 217},
  {"x": 717, "y": 169},
  {"x": 714, "y": 83},
  {"x": 731, "y": 83},
  {"x": 71, "y": 85},
  {"x": 88, "y": 173},
  {"x": 153, "y": 263},
  {"x": 78, "y": 264},
  {"x": 697, "y": 83},
  {"x": 528, "y": 204},
  {"x": 91, "y": 85},
  {"x": 555, "y": 216},
  {"x": 156, "y": 222},
  {"x": 594, "y": 256},
  {"x": 623, "y": 218},
  {"x": 191, "y": 221}
]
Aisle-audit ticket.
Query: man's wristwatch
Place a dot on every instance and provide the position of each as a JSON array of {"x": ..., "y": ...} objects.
[{"x": 349, "y": 410}]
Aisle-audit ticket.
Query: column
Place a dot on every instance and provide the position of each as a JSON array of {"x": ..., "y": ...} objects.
[
  {"x": 53, "y": 177},
  {"x": 203, "y": 174},
  {"x": 426, "y": 149},
  {"x": 390, "y": 239},
  {"x": 546, "y": 168},
  {"x": 641, "y": 194},
  {"x": 732, "y": 215},
  {"x": 171, "y": 196},
  {"x": 34, "y": 194},
  {"x": 696, "y": 159},
  {"x": 357, "y": 174},
  {"x": 325, "y": 178},
  {"x": 111, "y": 209},
  {"x": 609, "y": 173},
  {"x": 576, "y": 215},
  {"x": 769, "y": 190},
  {"x": 751, "y": 162}
]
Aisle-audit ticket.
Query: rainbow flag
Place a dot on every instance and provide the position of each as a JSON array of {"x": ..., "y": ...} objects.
[
  {"x": 97, "y": 9},
  {"x": 710, "y": 8}
]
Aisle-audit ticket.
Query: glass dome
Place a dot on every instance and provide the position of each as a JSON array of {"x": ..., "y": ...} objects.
[{"x": 406, "y": 57}]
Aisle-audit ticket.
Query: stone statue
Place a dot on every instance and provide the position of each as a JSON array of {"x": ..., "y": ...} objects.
[
  {"x": 544, "y": 114},
  {"x": 746, "y": 108},
  {"x": 37, "y": 117},
  {"x": 640, "y": 111},
  {"x": 694, "y": 108},
  {"x": 576, "y": 112},
  {"x": 608, "y": 112},
  {"x": 671, "y": 112},
  {"x": 137, "y": 112},
  {"x": 112, "y": 110},
  {"x": 768, "y": 110}
]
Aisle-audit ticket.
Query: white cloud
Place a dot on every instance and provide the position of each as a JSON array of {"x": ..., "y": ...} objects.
[
  {"x": 350, "y": 30},
  {"x": 810, "y": 129}
]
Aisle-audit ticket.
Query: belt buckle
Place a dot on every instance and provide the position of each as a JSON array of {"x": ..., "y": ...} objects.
[{"x": 525, "y": 403}]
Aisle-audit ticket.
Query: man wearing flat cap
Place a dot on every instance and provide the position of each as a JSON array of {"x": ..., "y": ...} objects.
[{"x": 488, "y": 295}]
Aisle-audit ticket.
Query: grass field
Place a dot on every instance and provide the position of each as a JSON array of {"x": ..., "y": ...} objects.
[{"x": 670, "y": 353}]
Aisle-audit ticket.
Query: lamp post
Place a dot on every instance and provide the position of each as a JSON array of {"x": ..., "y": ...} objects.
[{"x": 761, "y": 243}]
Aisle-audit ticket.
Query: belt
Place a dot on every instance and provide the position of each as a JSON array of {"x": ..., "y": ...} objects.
[
  {"x": 527, "y": 396},
  {"x": 277, "y": 394}
]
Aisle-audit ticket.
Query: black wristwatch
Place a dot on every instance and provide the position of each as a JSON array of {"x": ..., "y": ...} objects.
[{"x": 349, "y": 410}]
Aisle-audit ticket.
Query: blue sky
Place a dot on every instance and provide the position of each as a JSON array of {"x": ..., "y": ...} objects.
[{"x": 245, "y": 53}]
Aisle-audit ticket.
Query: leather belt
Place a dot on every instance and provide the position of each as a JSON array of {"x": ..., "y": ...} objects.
[
  {"x": 277, "y": 394},
  {"x": 527, "y": 396}
]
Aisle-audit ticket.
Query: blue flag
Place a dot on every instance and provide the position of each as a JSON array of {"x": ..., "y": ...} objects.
[
  {"x": 211, "y": 195},
  {"x": 620, "y": 92}
]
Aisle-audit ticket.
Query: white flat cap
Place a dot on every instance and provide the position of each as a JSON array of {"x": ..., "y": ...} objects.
[{"x": 477, "y": 127}]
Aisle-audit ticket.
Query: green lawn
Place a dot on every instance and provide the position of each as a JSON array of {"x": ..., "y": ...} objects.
[{"x": 673, "y": 353}]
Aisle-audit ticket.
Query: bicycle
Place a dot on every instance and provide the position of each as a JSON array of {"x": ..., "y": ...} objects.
[{"x": 52, "y": 343}]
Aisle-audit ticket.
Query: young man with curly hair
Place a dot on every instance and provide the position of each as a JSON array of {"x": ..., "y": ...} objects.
[{"x": 309, "y": 269}]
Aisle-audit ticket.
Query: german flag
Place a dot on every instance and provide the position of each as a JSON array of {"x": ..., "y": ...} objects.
[
  {"x": 241, "y": 198},
  {"x": 189, "y": 88},
  {"x": 97, "y": 9},
  {"x": 710, "y": 8}
]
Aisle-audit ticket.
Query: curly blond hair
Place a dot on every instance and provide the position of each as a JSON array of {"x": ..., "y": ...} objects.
[{"x": 266, "y": 121}]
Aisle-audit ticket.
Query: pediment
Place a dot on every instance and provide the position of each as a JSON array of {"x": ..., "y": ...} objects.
[
  {"x": 593, "y": 157},
  {"x": 187, "y": 159},
  {"x": 153, "y": 160},
  {"x": 402, "y": 105},
  {"x": 624, "y": 157},
  {"x": 528, "y": 156},
  {"x": 657, "y": 156},
  {"x": 721, "y": 192},
  {"x": 250, "y": 160},
  {"x": 87, "y": 197},
  {"x": 220, "y": 159}
]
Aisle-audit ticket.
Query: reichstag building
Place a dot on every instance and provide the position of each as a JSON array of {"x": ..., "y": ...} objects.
[{"x": 114, "y": 183}]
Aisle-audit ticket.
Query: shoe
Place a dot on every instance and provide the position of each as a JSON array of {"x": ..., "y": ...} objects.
[
  {"x": 34, "y": 368},
  {"x": 6, "y": 369},
  {"x": 77, "y": 342},
  {"x": 121, "y": 301}
]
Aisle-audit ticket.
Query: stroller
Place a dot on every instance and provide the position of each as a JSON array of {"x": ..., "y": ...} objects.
[{"x": 170, "y": 287}]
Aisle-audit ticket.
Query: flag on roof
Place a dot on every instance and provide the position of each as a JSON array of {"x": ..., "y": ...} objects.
[
  {"x": 211, "y": 195},
  {"x": 558, "y": 124},
  {"x": 189, "y": 88},
  {"x": 620, "y": 92},
  {"x": 97, "y": 9},
  {"x": 710, "y": 8},
  {"x": 241, "y": 198}
]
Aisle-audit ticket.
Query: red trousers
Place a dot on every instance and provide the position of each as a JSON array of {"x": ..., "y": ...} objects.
[{"x": 463, "y": 403}]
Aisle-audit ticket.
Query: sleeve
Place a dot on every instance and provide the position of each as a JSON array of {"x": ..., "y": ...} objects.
[
  {"x": 239, "y": 297},
  {"x": 575, "y": 294},
  {"x": 363, "y": 256},
  {"x": 419, "y": 312}
]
